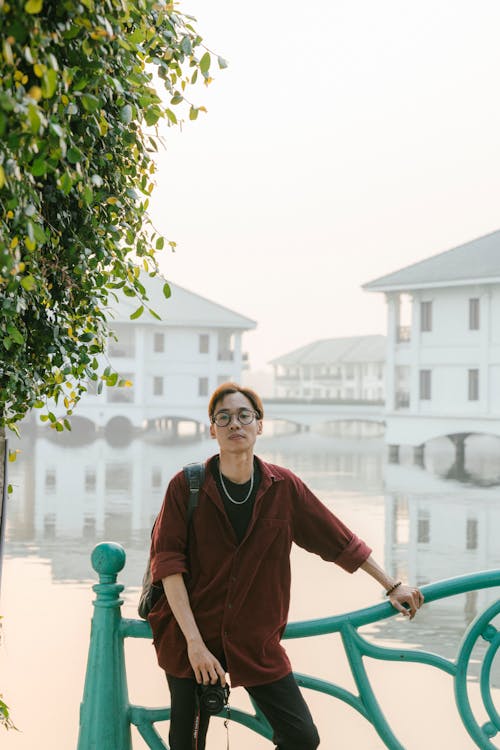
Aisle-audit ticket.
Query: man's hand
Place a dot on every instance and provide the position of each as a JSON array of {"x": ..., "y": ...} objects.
[
  {"x": 409, "y": 596},
  {"x": 207, "y": 669}
]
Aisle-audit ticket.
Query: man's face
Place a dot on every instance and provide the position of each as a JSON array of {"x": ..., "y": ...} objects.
[{"x": 236, "y": 437}]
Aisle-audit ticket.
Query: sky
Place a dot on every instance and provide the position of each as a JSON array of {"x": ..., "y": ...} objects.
[{"x": 345, "y": 140}]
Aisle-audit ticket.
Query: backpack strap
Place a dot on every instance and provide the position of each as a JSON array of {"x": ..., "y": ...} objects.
[{"x": 195, "y": 475}]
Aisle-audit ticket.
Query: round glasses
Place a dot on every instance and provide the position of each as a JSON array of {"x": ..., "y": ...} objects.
[{"x": 243, "y": 416}]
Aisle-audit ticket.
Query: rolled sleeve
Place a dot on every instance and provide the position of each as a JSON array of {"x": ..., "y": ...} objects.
[
  {"x": 354, "y": 555},
  {"x": 165, "y": 564}
]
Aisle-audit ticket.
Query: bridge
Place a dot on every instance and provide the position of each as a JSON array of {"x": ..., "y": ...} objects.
[
  {"x": 106, "y": 715},
  {"x": 304, "y": 413}
]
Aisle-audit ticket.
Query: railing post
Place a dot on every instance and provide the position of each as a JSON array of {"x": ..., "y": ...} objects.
[{"x": 104, "y": 712}]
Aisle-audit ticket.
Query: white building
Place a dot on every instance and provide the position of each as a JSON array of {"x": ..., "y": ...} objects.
[
  {"x": 344, "y": 369},
  {"x": 174, "y": 363},
  {"x": 443, "y": 356}
]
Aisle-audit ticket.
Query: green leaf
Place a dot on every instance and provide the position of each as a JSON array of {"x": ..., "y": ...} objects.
[
  {"x": 112, "y": 379},
  {"x": 74, "y": 155},
  {"x": 15, "y": 334},
  {"x": 186, "y": 45},
  {"x": 193, "y": 113},
  {"x": 90, "y": 102},
  {"x": 160, "y": 243},
  {"x": 49, "y": 83},
  {"x": 33, "y": 6},
  {"x": 34, "y": 118},
  {"x": 171, "y": 116},
  {"x": 137, "y": 313},
  {"x": 39, "y": 167},
  {"x": 205, "y": 64},
  {"x": 66, "y": 183},
  {"x": 28, "y": 282},
  {"x": 126, "y": 114},
  {"x": 167, "y": 292}
]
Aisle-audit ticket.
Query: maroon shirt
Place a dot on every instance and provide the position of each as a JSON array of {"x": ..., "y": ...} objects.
[{"x": 240, "y": 594}]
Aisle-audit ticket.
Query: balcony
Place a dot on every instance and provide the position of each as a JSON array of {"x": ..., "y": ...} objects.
[{"x": 225, "y": 356}]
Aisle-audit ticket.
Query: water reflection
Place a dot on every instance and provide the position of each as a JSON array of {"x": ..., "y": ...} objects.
[{"x": 68, "y": 497}]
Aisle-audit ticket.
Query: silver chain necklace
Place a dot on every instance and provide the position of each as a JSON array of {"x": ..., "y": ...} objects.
[{"x": 236, "y": 502}]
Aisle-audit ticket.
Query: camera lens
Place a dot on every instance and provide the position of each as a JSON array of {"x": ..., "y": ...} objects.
[{"x": 213, "y": 698}]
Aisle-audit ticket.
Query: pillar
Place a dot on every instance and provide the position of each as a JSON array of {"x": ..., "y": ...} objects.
[{"x": 104, "y": 720}]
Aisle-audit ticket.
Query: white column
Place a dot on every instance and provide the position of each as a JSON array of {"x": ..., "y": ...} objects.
[
  {"x": 484, "y": 355},
  {"x": 392, "y": 326},
  {"x": 415, "y": 356}
]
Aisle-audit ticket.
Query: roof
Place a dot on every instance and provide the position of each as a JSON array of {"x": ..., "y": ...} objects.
[
  {"x": 349, "y": 349},
  {"x": 182, "y": 309},
  {"x": 475, "y": 262}
]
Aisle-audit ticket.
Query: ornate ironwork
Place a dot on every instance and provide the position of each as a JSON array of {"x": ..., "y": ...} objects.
[{"x": 106, "y": 714}]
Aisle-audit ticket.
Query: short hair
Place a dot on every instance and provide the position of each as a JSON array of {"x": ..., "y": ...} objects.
[{"x": 226, "y": 388}]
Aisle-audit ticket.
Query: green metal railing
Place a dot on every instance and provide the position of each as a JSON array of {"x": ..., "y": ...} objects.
[{"x": 106, "y": 715}]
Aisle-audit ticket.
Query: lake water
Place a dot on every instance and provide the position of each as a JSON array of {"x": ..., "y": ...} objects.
[{"x": 423, "y": 525}]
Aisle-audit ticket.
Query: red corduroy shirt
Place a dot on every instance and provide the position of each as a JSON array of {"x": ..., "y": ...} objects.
[{"x": 240, "y": 594}]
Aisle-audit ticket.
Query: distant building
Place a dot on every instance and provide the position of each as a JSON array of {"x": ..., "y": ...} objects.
[
  {"x": 174, "y": 363},
  {"x": 344, "y": 368},
  {"x": 443, "y": 337}
]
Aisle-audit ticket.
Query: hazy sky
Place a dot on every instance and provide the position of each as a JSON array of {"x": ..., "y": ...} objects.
[{"x": 345, "y": 140}]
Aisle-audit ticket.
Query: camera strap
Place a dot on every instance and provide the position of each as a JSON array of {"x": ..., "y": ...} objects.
[
  {"x": 226, "y": 724},
  {"x": 196, "y": 723}
]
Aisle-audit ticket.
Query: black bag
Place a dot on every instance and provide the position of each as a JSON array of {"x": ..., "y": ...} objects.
[{"x": 152, "y": 592}]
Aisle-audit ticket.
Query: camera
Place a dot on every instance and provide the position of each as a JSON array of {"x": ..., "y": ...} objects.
[{"x": 213, "y": 698}]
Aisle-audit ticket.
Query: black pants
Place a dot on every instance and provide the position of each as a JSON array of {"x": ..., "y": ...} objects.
[{"x": 281, "y": 703}]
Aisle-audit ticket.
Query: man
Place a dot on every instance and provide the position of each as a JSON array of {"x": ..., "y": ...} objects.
[{"x": 227, "y": 587}]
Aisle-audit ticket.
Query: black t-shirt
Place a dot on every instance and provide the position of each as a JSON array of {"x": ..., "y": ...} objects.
[{"x": 238, "y": 512}]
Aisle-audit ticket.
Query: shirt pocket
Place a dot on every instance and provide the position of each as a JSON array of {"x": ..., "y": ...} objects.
[{"x": 272, "y": 539}]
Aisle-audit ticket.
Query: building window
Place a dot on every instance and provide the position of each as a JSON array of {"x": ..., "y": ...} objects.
[
  {"x": 474, "y": 314},
  {"x": 203, "y": 343},
  {"x": 90, "y": 479},
  {"x": 118, "y": 478},
  {"x": 425, "y": 385},
  {"x": 202, "y": 386},
  {"x": 50, "y": 480},
  {"x": 223, "y": 379},
  {"x": 157, "y": 386},
  {"x": 124, "y": 346},
  {"x": 473, "y": 385},
  {"x": 426, "y": 316},
  {"x": 423, "y": 528},
  {"x": 159, "y": 343},
  {"x": 471, "y": 533}
]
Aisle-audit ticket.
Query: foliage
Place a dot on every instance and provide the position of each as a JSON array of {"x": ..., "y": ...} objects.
[
  {"x": 5, "y": 720},
  {"x": 78, "y": 109}
]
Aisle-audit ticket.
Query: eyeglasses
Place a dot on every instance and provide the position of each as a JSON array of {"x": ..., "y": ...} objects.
[{"x": 243, "y": 416}]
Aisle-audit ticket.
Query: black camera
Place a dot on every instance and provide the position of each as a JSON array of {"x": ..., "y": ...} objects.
[{"x": 213, "y": 698}]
